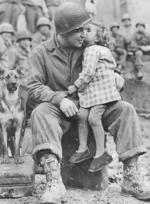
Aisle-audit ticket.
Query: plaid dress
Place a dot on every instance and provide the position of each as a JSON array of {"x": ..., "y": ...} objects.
[{"x": 96, "y": 83}]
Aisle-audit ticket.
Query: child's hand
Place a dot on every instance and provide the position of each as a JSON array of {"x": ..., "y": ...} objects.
[
  {"x": 71, "y": 89},
  {"x": 119, "y": 81}
]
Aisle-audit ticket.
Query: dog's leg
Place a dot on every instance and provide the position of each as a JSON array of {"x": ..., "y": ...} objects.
[
  {"x": 17, "y": 157},
  {"x": 5, "y": 159}
]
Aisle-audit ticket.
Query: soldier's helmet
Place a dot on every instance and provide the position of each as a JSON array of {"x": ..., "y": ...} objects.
[
  {"x": 22, "y": 35},
  {"x": 70, "y": 16},
  {"x": 6, "y": 28},
  {"x": 126, "y": 17},
  {"x": 43, "y": 21},
  {"x": 114, "y": 25},
  {"x": 140, "y": 23}
]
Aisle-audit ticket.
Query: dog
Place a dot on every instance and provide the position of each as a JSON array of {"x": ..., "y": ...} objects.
[{"x": 12, "y": 115}]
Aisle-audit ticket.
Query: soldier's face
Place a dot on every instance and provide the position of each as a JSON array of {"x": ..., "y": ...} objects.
[
  {"x": 140, "y": 28},
  {"x": 7, "y": 36},
  {"x": 44, "y": 29},
  {"x": 25, "y": 43},
  {"x": 115, "y": 30},
  {"x": 75, "y": 38},
  {"x": 127, "y": 22}
]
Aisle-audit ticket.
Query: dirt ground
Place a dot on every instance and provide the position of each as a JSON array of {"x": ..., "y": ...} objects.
[{"x": 111, "y": 195}]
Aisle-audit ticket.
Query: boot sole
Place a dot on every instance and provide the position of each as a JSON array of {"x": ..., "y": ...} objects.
[
  {"x": 82, "y": 160},
  {"x": 145, "y": 197}
]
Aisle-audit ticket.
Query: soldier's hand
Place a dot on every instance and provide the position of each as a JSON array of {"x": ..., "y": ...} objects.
[{"x": 68, "y": 107}]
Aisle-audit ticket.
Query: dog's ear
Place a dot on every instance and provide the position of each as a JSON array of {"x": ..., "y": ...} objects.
[
  {"x": 2, "y": 71},
  {"x": 20, "y": 72}
]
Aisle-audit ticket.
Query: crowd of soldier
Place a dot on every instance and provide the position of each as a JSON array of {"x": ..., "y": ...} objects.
[{"x": 124, "y": 40}]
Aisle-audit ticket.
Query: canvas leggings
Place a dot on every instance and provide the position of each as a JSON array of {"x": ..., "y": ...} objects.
[{"x": 119, "y": 118}]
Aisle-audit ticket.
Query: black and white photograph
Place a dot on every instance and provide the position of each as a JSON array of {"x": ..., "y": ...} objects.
[{"x": 74, "y": 101}]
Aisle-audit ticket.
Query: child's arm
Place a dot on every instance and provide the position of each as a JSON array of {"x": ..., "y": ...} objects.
[
  {"x": 89, "y": 64},
  {"x": 72, "y": 89}
]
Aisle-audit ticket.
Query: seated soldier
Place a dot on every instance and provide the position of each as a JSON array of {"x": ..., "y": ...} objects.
[
  {"x": 23, "y": 40},
  {"x": 43, "y": 31},
  {"x": 126, "y": 28},
  {"x": 117, "y": 46},
  {"x": 139, "y": 45}
]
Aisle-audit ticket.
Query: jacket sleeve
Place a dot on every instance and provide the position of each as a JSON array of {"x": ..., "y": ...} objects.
[
  {"x": 37, "y": 88},
  {"x": 89, "y": 68}
]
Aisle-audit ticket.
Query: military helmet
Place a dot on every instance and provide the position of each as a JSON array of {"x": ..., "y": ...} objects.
[
  {"x": 114, "y": 25},
  {"x": 140, "y": 23},
  {"x": 22, "y": 35},
  {"x": 43, "y": 21},
  {"x": 126, "y": 17},
  {"x": 70, "y": 16},
  {"x": 6, "y": 28}
]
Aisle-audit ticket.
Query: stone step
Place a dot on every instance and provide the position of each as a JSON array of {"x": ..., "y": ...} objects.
[{"x": 17, "y": 180}]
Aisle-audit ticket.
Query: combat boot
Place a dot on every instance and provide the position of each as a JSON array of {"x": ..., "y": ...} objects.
[
  {"x": 133, "y": 181},
  {"x": 55, "y": 190}
]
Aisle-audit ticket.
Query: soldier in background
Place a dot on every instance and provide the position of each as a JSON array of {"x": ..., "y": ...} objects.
[
  {"x": 23, "y": 40},
  {"x": 9, "y": 11},
  {"x": 7, "y": 34},
  {"x": 140, "y": 45},
  {"x": 117, "y": 46},
  {"x": 126, "y": 28},
  {"x": 34, "y": 9},
  {"x": 52, "y": 6},
  {"x": 90, "y": 7},
  {"x": 43, "y": 31}
]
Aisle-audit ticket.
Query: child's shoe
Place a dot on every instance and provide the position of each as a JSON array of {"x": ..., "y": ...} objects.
[
  {"x": 79, "y": 157},
  {"x": 100, "y": 162}
]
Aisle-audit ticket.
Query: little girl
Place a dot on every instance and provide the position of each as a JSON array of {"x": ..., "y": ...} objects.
[{"x": 96, "y": 88}]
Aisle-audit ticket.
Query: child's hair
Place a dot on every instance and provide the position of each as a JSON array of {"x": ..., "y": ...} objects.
[{"x": 102, "y": 34}]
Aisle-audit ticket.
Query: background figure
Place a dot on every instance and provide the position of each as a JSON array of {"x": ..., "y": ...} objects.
[
  {"x": 43, "y": 31},
  {"x": 117, "y": 46},
  {"x": 139, "y": 45},
  {"x": 7, "y": 33},
  {"x": 52, "y": 6},
  {"x": 9, "y": 11},
  {"x": 90, "y": 7},
  {"x": 126, "y": 28},
  {"x": 23, "y": 40},
  {"x": 34, "y": 9}
]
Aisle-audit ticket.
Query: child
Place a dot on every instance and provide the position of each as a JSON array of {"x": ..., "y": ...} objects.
[{"x": 96, "y": 88}]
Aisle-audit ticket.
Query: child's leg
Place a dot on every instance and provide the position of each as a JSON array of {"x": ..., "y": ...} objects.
[
  {"x": 83, "y": 129},
  {"x": 82, "y": 153},
  {"x": 102, "y": 158},
  {"x": 94, "y": 119}
]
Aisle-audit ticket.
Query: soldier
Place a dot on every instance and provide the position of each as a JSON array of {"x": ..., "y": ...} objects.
[
  {"x": 7, "y": 34},
  {"x": 55, "y": 65},
  {"x": 23, "y": 40},
  {"x": 117, "y": 46},
  {"x": 43, "y": 31},
  {"x": 126, "y": 28},
  {"x": 140, "y": 45},
  {"x": 90, "y": 6},
  {"x": 52, "y": 6},
  {"x": 9, "y": 11},
  {"x": 34, "y": 9}
]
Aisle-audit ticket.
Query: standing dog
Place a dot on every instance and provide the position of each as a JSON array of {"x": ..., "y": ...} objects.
[{"x": 12, "y": 114}]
